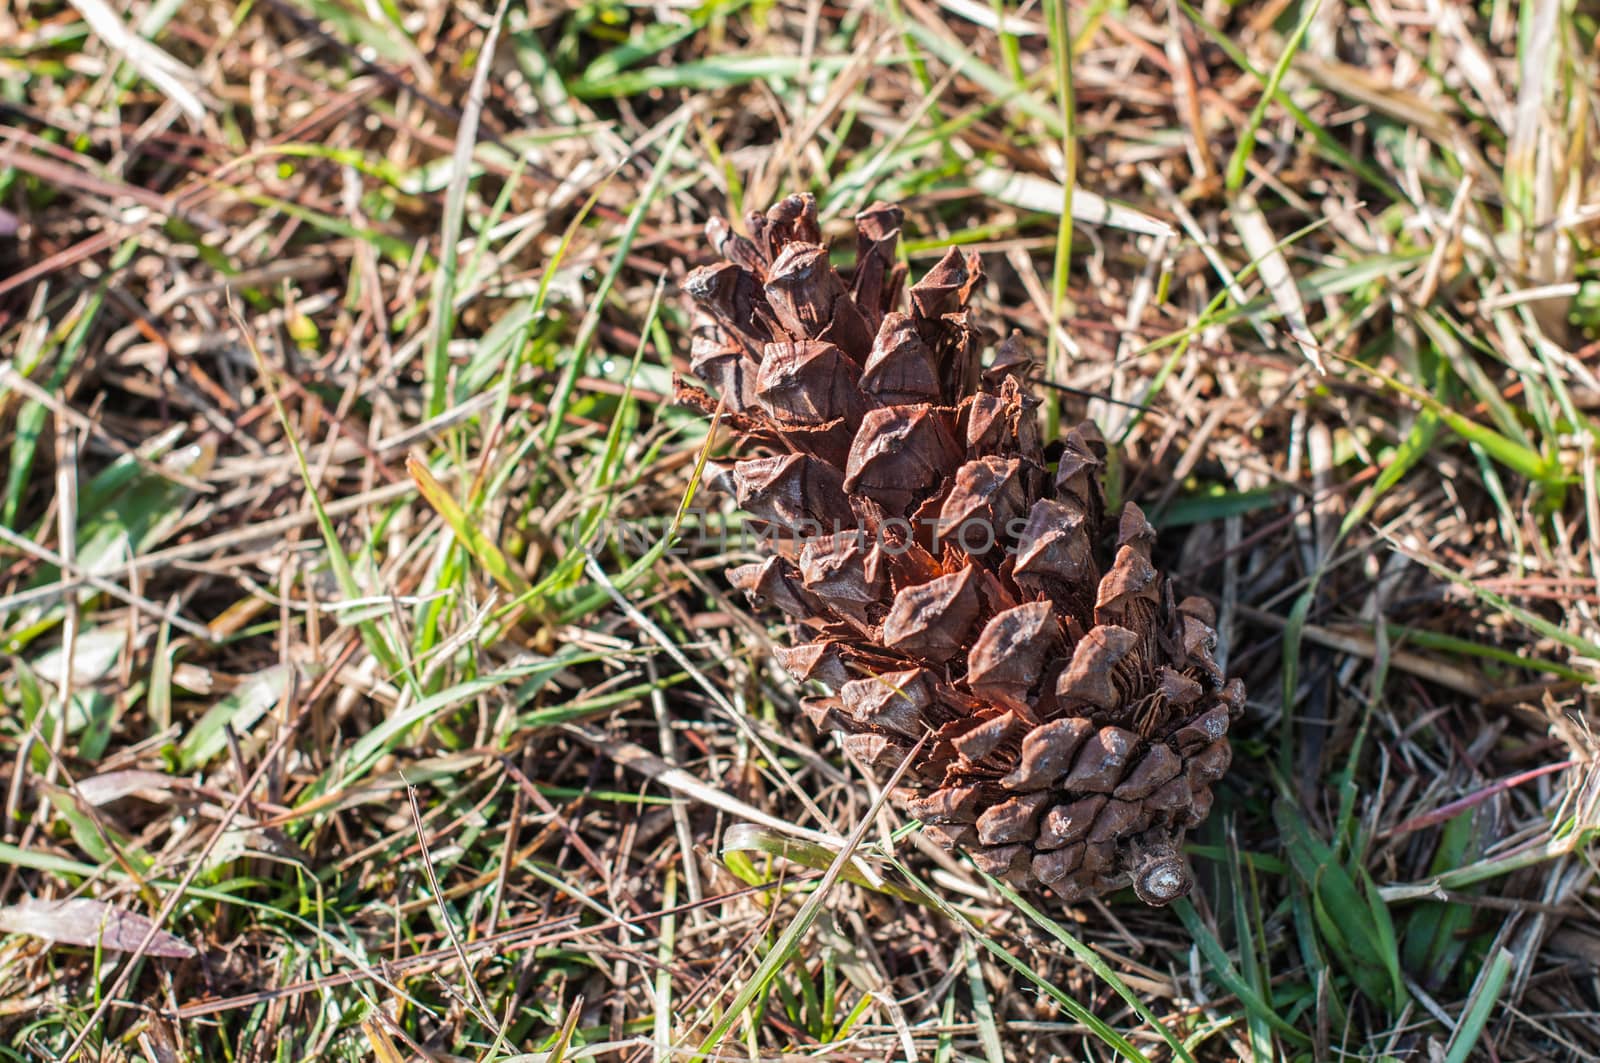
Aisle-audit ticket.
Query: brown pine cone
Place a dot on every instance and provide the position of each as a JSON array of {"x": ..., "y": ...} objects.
[{"x": 947, "y": 578}]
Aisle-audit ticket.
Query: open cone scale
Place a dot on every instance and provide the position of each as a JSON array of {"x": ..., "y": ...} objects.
[{"x": 945, "y": 579}]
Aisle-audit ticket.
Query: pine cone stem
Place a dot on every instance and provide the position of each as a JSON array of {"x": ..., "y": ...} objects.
[{"x": 1159, "y": 874}]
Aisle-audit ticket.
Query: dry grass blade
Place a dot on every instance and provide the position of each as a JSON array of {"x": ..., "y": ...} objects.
[
  {"x": 1267, "y": 256},
  {"x": 154, "y": 65}
]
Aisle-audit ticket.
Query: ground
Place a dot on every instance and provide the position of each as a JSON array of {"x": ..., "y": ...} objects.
[{"x": 373, "y": 690}]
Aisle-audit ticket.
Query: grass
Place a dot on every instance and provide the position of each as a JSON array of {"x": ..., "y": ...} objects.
[{"x": 370, "y": 678}]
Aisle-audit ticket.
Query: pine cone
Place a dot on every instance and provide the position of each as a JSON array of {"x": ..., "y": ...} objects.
[{"x": 949, "y": 582}]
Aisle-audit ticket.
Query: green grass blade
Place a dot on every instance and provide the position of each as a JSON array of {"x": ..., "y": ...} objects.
[
  {"x": 1224, "y": 971},
  {"x": 1353, "y": 920},
  {"x": 1091, "y": 959},
  {"x": 472, "y": 538},
  {"x": 1096, "y": 1025},
  {"x": 1247, "y": 136},
  {"x": 1485, "y": 995}
]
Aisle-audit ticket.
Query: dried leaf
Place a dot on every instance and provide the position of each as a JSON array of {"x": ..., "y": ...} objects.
[
  {"x": 112, "y": 786},
  {"x": 90, "y": 923}
]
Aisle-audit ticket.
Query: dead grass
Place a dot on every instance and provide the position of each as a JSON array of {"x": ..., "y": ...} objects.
[{"x": 352, "y": 684}]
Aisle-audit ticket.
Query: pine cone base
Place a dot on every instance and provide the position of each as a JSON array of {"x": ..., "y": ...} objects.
[{"x": 947, "y": 583}]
